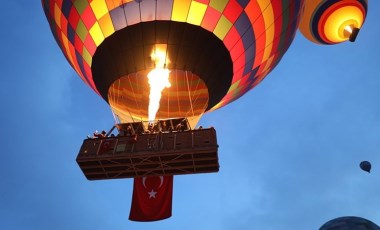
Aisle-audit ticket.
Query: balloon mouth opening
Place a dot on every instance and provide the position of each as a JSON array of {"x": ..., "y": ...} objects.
[
  {"x": 348, "y": 30},
  {"x": 351, "y": 32},
  {"x": 187, "y": 96}
]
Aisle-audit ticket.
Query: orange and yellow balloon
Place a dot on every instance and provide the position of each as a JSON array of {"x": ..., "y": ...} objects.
[{"x": 332, "y": 21}]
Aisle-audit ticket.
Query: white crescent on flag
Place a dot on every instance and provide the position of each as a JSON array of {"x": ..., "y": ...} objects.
[{"x": 161, "y": 181}]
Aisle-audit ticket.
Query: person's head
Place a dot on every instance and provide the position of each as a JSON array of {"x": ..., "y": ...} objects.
[{"x": 104, "y": 132}]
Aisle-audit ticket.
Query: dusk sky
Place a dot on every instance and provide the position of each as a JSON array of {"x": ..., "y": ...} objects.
[{"x": 289, "y": 150}]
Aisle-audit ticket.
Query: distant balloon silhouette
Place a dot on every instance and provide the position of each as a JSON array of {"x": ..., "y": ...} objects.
[
  {"x": 366, "y": 166},
  {"x": 349, "y": 223}
]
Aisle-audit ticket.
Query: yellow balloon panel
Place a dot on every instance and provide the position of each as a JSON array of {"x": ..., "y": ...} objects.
[
  {"x": 180, "y": 10},
  {"x": 196, "y": 13}
]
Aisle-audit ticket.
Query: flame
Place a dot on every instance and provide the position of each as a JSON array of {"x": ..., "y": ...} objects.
[
  {"x": 158, "y": 80},
  {"x": 348, "y": 29}
]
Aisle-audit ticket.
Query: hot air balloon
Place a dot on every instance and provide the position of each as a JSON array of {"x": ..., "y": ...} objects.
[
  {"x": 213, "y": 52},
  {"x": 333, "y": 21},
  {"x": 365, "y": 166},
  {"x": 349, "y": 222},
  {"x": 208, "y": 53}
]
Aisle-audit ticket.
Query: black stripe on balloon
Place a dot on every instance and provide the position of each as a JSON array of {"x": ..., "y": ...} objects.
[{"x": 317, "y": 17}]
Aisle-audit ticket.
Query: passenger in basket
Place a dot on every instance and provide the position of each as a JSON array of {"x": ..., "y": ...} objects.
[
  {"x": 164, "y": 127},
  {"x": 129, "y": 131},
  {"x": 156, "y": 128},
  {"x": 180, "y": 126},
  {"x": 100, "y": 135},
  {"x": 150, "y": 128}
]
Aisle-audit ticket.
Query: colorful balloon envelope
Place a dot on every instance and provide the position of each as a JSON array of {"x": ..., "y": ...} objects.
[{"x": 215, "y": 50}]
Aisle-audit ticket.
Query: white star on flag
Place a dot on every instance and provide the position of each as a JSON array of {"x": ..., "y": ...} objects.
[{"x": 152, "y": 194}]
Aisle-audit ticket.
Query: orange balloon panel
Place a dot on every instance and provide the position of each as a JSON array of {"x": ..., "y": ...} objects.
[{"x": 187, "y": 97}]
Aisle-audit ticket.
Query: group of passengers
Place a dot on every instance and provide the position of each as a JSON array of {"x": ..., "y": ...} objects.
[
  {"x": 96, "y": 134},
  {"x": 153, "y": 127},
  {"x": 163, "y": 127}
]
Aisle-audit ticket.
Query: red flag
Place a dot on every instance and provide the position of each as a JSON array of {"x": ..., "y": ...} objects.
[{"x": 152, "y": 198}]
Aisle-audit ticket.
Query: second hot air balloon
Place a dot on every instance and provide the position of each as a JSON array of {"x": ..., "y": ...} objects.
[{"x": 365, "y": 166}]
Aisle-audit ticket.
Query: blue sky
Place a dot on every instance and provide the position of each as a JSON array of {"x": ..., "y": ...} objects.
[{"x": 289, "y": 149}]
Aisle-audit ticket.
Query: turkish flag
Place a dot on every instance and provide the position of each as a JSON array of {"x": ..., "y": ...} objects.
[{"x": 152, "y": 198}]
